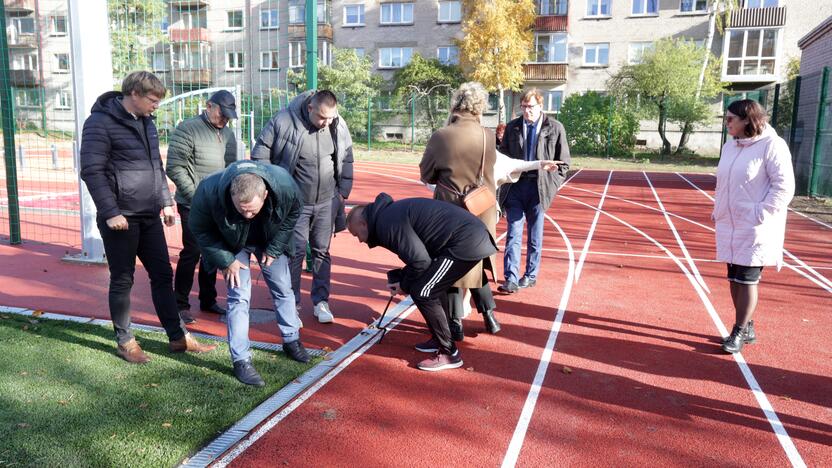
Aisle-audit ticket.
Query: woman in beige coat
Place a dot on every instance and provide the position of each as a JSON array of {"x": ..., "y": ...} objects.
[{"x": 454, "y": 158}]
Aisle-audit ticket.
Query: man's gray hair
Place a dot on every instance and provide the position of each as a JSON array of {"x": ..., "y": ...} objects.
[{"x": 246, "y": 186}]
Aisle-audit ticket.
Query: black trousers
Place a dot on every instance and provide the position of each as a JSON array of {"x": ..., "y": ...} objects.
[
  {"x": 145, "y": 239},
  {"x": 430, "y": 294},
  {"x": 483, "y": 299},
  {"x": 183, "y": 280}
]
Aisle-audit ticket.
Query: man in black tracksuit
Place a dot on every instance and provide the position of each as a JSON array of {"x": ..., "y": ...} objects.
[{"x": 439, "y": 243}]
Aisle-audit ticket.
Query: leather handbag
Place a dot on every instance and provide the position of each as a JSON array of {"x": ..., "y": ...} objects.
[{"x": 477, "y": 199}]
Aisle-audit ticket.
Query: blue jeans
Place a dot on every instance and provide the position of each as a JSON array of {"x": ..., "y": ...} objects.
[
  {"x": 523, "y": 206},
  {"x": 280, "y": 288},
  {"x": 315, "y": 227}
]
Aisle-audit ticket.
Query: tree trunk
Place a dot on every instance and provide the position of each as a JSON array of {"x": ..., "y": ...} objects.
[
  {"x": 501, "y": 107},
  {"x": 709, "y": 40},
  {"x": 663, "y": 126},
  {"x": 687, "y": 129}
]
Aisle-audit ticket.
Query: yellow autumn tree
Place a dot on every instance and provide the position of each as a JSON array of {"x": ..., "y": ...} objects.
[{"x": 497, "y": 40}]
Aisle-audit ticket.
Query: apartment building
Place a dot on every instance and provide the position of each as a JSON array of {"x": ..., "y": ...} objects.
[{"x": 38, "y": 48}]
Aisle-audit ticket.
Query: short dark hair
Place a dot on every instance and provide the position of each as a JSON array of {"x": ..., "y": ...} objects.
[
  {"x": 323, "y": 96},
  {"x": 143, "y": 83},
  {"x": 354, "y": 214},
  {"x": 754, "y": 112},
  {"x": 246, "y": 186}
]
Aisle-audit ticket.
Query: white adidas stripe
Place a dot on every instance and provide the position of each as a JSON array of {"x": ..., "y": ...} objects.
[{"x": 446, "y": 265}]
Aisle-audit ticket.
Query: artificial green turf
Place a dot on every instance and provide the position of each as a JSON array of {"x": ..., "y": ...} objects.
[{"x": 66, "y": 398}]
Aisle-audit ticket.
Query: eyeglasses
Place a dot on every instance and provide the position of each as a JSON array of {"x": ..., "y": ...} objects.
[
  {"x": 528, "y": 106},
  {"x": 152, "y": 100}
]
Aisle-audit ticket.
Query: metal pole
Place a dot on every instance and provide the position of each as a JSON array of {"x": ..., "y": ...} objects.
[
  {"x": 312, "y": 44},
  {"x": 238, "y": 125},
  {"x": 774, "y": 113},
  {"x": 609, "y": 128},
  {"x": 7, "y": 117},
  {"x": 92, "y": 75},
  {"x": 795, "y": 106},
  {"x": 21, "y": 156},
  {"x": 251, "y": 140},
  {"x": 821, "y": 124},
  {"x": 369, "y": 121},
  {"x": 54, "y": 156},
  {"x": 412, "y": 120}
]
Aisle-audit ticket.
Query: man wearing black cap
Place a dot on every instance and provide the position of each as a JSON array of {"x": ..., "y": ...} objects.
[{"x": 199, "y": 147}]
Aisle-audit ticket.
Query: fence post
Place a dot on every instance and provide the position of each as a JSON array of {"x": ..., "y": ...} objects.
[
  {"x": 21, "y": 156},
  {"x": 412, "y": 120},
  {"x": 609, "y": 127},
  {"x": 7, "y": 117},
  {"x": 369, "y": 121},
  {"x": 821, "y": 124},
  {"x": 54, "y": 156},
  {"x": 774, "y": 112},
  {"x": 793, "y": 124}
]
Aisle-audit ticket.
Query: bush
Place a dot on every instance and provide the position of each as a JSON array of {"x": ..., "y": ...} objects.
[{"x": 586, "y": 118}]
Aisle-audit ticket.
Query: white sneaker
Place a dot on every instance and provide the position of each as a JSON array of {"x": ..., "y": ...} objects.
[{"x": 322, "y": 312}]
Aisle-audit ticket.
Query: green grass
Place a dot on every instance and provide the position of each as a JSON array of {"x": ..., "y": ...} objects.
[{"x": 66, "y": 399}]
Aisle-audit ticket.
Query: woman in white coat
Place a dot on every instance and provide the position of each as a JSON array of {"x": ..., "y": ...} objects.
[{"x": 754, "y": 185}]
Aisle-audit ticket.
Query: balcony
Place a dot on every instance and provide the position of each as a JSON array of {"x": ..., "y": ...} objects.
[
  {"x": 195, "y": 76},
  {"x": 25, "y": 78},
  {"x": 545, "y": 71},
  {"x": 758, "y": 17},
  {"x": 19, "y": 7},
  {"x": 22, "y": 40},
  {"x": 189, "y": 3},
  {"x": 298, "y": 31},
  {"x": 550, "y": 23},
  {"x": 189, "y": 35}
]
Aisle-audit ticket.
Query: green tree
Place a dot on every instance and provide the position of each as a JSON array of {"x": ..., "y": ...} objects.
[
  {"x": 497, "y": 38},
  {"x": 135, "y": 26},
  {"x": 428, "y": 81},
  {"x": 662, "y": 84},
  {"x": 351, "y": 78},
  {"x": 586, "y": 118}
]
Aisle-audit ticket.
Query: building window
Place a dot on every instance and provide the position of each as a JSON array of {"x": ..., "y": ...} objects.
[
  {"x": 57, "y": 25},
  {"x": 269, "y": 19},
  {"x": 62, "y": 63},
  {"x": 158, "y": 61},
  {"x": 235, "y": 20},
  {"x": 645, "y": 7},
  {"x": 354, "y": 15},
  {"x": 552, "y": 7},
  {"x": 760, "y": 3},
  {"x": 552, "y": 101},
  {"x": 21, "y": 26},
  {"x": 269, "y": 60},
  {"x": 598, "y": 7},
  {"x": 637, "y": 50},
  {"x": 63, "y": 100},
  {"x": 234, "y": 61},
  {"x": 325, "y": 53},
  {"x": 597, "y": 55},
  {"x": 296, "y": 53},
  {"x": 27, "y": 97},
  {"x": 396, "y": 13},
  {"x": 751, "y": 52},
  {"x": 550, "y": 48},
  {"x": 385, "y": 100},
  {"x": 450, "y": 12},
  {"x": 359, "y": 51},
  {"x": 692, "y": 6},
  {"x": 25, "y": 62},
  {"x": 192, "y": 56},
  {"x": 297, "y": 11},
  {"x": 394, "y": 57},
  {"x": 448, "y": 55}
]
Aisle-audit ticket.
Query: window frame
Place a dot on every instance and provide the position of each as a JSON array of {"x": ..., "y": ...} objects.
[
  {"x": 165, "y": 61},
  {"x": 644, "y": 46},
  {"x": 597, "y": 47},
  {"x": 238, "y": 55},
  {"x": 762, "y": 4},
  {"x": 600, "y": 3},
  {"x": 268, "y": 58},
  {"x": 61, "y": 104},
  {"x": 28, "y": 92},
  {"x": 742, "y": 77},
  {"x": 297, "y": 48},
  {"x": 439, "y": 19},
  {"x": 269, "y": 11},
  {"x": 644, "y": 4},
  {"x": 361, "y": 17},
  {"x": 550, "y": 35},
  {"x": 58, "y": 62},
  {"x": 448, "y": 48},
  {"x": 401, "y": 6},
  {"x": 693, "y": 10},
  {"x": 547, "y": 101},
  {"x": 390, "y": 66},
  {"x": 555, "y": 6},
  {"x": 229, "y": 26},
  {"x": 53, "y": 23}
]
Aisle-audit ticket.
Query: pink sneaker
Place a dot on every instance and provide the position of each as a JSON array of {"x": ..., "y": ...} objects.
[{"x": 440, "y": 362}]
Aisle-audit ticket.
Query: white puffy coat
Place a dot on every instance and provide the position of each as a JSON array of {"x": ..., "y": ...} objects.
[{"x": 754, "y": 185}]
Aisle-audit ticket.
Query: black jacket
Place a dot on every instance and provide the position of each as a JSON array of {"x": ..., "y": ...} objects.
[
  {"x": 419, "y": 230},
  {"x": 120, "y": 161},
  {"x": 551, "y": 145}
]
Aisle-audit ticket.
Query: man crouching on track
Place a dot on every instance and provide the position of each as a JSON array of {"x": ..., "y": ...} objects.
[{"x": 439, "y": 243}]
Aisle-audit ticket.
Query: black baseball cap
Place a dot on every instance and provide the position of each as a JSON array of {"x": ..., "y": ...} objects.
[{"x": 225, "y": 100}]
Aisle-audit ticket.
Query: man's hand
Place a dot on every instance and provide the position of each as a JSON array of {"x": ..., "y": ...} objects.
[
  {"x": 550, "y": 166},
  {"x": 232, "y": 273},
  {"x": 395, "y": 288},
  {"x": 267, "y": 260},
  {"x": 168, "y": 216},
  {"x": 117, "y": 223}
]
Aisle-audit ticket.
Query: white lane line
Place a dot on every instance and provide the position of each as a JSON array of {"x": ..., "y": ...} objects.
[
  {"x": 280, "y": 416},
  {"x": 681, "y": 244},
  {"x": 762, "y": 400},
  {"x": 406, "y": 179},
  {"x": 621, "y": 254},
  {"x": 811, "y": 218},
  {"x": 818, "y": 278},
  {"x": 522, "y": 427},
  {"x": 585, "y": 250}
]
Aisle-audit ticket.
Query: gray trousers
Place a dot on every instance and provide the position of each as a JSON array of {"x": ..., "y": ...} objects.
[{"x": 315, "y": 227}]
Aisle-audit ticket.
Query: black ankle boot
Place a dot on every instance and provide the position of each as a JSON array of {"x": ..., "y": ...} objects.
[
  {"x": 491, "y": 324},
  {"x": 748, "y": 334},
  {"x": 738, "y": 337},
  {"x": 457, "y": 333}
]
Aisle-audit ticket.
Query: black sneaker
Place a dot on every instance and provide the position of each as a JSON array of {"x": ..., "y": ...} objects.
[
  {"x": 247, "y": 374},
  {"x": 747, "y": 333},
  {"x": 214, "y": 309},
  {"x": 186, "y": 316},
  {"x": 429, "y": 346},
  {"x": 440, "y": 362},
  {"x": 296, "y": 351},
  {"x": 509, "y": 287},
  {"x": 526, "y": 282}
]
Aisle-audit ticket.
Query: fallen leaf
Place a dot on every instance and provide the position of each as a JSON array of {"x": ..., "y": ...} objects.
[
  {"x": 151, "y": 385},
  {"x": 143, "y": 405},
  {"x": 189, "y": 410},
  {"x": 23, "y": 425},
  {"x": 566, "y": 370},
  {"x": 167, "y": 424},
  {"x": 786, "y": 398},
  {"x": 113, "y": 436},
  {"x": 62, "y": 402},
  {"x": 37, "y": 313},
  {"x": 469, "y": 369},
  {"x": 327, "y": 349},
  {"x": 24, "y": 373}
]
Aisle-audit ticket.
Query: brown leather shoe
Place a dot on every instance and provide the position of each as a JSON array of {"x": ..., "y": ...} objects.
[
  {"x": 132, "y": 352},
  {"x": 190, "y": 344}
]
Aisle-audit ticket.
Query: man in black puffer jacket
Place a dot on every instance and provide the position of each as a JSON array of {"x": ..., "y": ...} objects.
[
  {"x": 439, "y": 243},
  {"x": 121, "y": 166}
]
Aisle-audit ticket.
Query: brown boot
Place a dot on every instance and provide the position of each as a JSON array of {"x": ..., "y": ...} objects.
[
  {"x": 190, "y": 344},
  {"x": 132, "y": 352}
]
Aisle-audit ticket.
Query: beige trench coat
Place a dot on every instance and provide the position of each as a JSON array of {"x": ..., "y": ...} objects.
[{"x": 452, "y": 158}]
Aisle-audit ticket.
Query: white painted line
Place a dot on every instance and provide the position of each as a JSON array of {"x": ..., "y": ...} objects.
[
  {"x": 762, "y": 400},
  {"x": 679, "y": 241},
  {"x": 278, "y": 417},
  {"x": 585, "y": 250},
  {"x": 522, "y": 427},
  {"x": 811, "y": 218},
  {"x": 622, "y": 254},
  {"x": 406, "y": 179}
]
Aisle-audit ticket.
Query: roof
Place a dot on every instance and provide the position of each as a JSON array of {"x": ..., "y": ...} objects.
[{"x": 821, "y": 30}]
